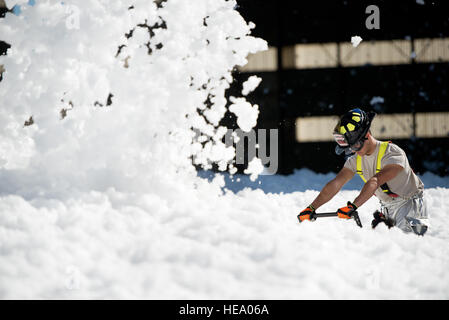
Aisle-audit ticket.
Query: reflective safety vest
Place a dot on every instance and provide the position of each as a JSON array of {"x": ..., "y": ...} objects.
[{"x": 380, "y": 155}]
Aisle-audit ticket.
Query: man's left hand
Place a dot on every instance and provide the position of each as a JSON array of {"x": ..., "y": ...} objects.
[{"x": 346, "y": 212}]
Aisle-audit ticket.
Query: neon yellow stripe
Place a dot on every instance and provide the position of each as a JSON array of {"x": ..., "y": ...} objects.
[
  {"x": 380, "y": 155},
  {"x": 359, "y": 168}
]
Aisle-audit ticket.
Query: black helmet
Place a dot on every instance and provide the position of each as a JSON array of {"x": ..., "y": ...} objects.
[{"x": 350, "y": 131}]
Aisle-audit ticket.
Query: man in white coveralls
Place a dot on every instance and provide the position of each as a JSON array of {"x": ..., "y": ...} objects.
[{"x": 384, "y": 168}]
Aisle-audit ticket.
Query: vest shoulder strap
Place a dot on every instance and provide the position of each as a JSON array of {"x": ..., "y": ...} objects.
[
  {"x": 359, "y": 168},
  {"x": 380, "y": 155}
]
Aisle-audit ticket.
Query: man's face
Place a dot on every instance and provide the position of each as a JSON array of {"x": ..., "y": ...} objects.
[
  {"x": 364, "y": 149},
  {"x": 360, "y": 147}
]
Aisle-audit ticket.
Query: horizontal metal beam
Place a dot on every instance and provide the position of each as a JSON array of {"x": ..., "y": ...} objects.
[
  {"x": 331, "y": 55},
  {"x": 385, "y": 126}
]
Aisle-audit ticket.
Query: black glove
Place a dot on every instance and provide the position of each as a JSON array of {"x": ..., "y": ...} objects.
[{"x": 380, "y": 217}]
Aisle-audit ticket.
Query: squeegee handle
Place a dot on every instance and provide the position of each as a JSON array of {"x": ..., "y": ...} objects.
[
  {"x": 326, "y": 214},
  {"x": 355, "y": 215}
]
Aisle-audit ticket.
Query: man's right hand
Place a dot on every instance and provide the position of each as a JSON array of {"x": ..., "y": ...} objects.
[{"x": 307, "y": 214}]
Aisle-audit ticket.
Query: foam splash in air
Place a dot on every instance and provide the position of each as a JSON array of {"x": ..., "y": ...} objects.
[
  {"x": 356, "y": 41},
  {"x": 113, "y": 102}
]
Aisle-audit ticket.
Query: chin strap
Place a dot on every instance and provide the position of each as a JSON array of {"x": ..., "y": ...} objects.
[{"x": 347, "y": 151}]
